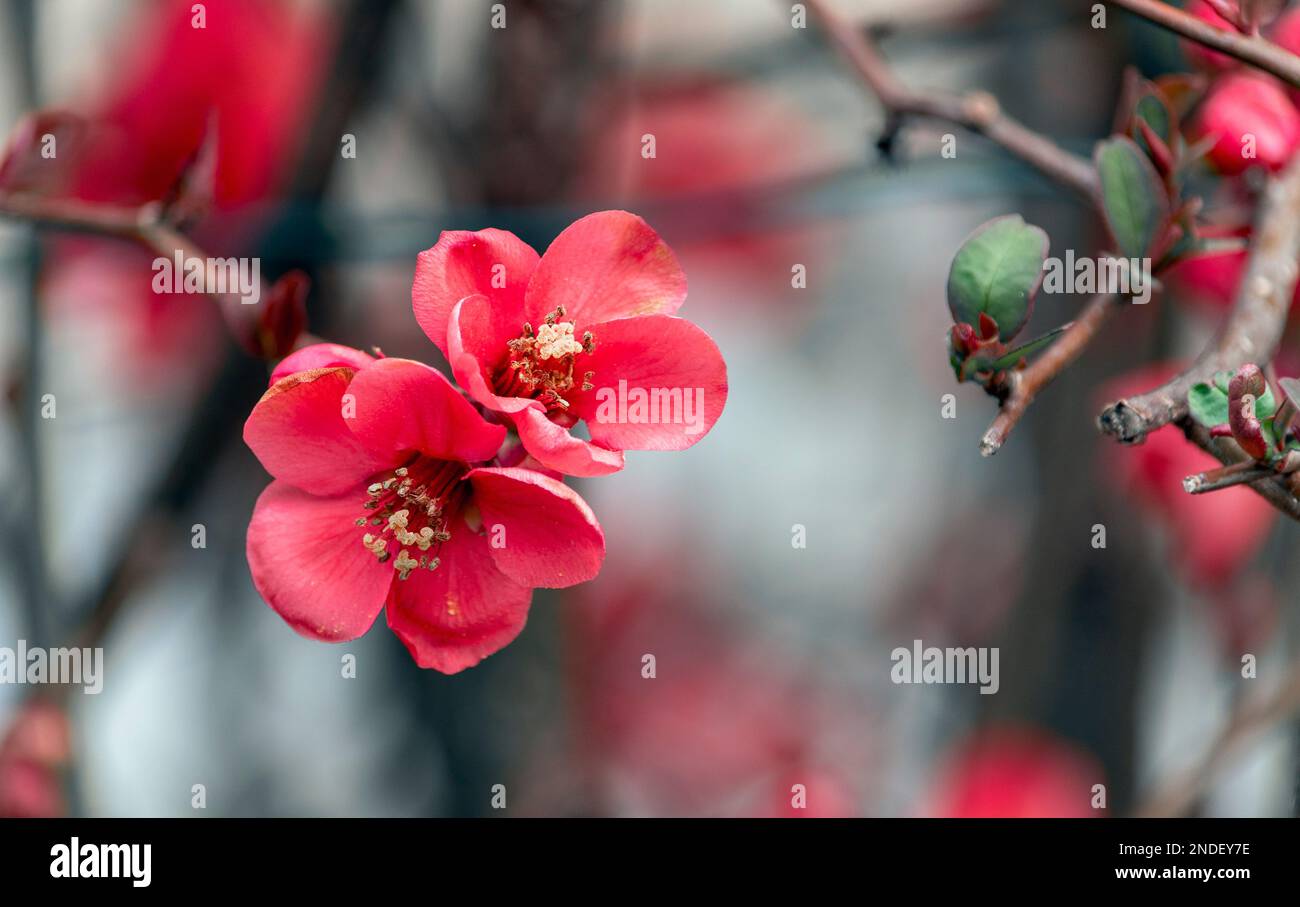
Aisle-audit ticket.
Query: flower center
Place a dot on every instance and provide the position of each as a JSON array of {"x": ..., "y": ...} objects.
[
  {"x": 541, "y": 364},
  {"x": 411, "y": 508}
]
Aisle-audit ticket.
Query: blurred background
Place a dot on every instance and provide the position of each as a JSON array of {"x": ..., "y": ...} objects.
[{"x": 1117, "y": 665}]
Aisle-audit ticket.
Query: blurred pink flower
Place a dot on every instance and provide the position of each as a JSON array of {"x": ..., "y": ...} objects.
[
  {"x": 250, "y": 73},
  {"x": 1015, "y": 773},
  {"x": 549, "y": 342},
  {"x": 1198, "y": 54},
  {"x": 1252, "y": 121},
  {"x": 726, "y": 152},
  {"x": 32, "y": 755},
  {"x": 723, "y": 727},
  {"x": 377, "y": 501}
]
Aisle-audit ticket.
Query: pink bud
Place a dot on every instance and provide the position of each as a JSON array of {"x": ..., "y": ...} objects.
[{"x": 1253, "y": 122}]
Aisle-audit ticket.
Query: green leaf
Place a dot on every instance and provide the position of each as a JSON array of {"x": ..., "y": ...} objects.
[
  {"x": 1133, "y": 195},
  {"x": 1265, "y": 405},
  {"x": 998, "y": 270},
  {"x": 1154, "y": 111},
  {"x": 1208, "y": 404},
  {"x": 1009, "y": 359},
  {"x": 1152, "y": 108}
]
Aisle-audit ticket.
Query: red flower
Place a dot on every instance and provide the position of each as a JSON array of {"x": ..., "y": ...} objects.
[
  {"x": 1253, "y": 121},
  {"x": 585, "y": 333},
  {"x": 1017, "y": 773},
  {"x": 377, "y": 501}
]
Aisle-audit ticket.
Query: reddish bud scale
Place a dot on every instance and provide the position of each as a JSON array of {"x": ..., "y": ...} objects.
[{"x": 1244, "y": 388}]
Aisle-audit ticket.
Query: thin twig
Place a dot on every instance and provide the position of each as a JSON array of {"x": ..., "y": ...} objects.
[
  {"x": 1257, "y": 51},
  {"x": 978, "y": 111},
  {"x": 1245, "y": 472},
  {"x": 1250, "y": 718},
  {"x": 1027, "y": 383},
  {"x": 1280, "y": 491},
  {"x": 146, "y": 225}
]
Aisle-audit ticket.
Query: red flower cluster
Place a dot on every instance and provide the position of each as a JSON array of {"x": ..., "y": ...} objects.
[{"x": 392, "y": 489}]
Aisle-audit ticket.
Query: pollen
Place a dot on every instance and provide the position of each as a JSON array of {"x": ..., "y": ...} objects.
[
  {"x": 554, "y": 341},
  {"x": 541, "y": 364},
  {"x": 412, "y": 508},
  {"x": 404, "y": 564}
]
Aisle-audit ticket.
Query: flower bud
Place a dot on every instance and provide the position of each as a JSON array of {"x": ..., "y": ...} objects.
[{"x": 1252, "y": 121}]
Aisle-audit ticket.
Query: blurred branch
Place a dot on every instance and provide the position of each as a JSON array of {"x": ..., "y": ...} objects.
[
  {"x": 978, "y": 111},
  {"x": 1248, "y": 48},
  {"x": 144, "y": 225},
  {"x": 1242, "y": 473},
  {"x": 1253, "y": 329},
  {"x": 1248, "y": 719},
  {"x": 1255, "y": 326},
  {"x": 1023, "y": 386}
]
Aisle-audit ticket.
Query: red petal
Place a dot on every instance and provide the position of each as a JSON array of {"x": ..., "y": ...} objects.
[
  {"x": 551, "y": 538},
  {"x": 307, "y": 561},
  {"x": 298, "y": 432},
  {"x": 607, "y": 265},
  {"x": 476, "y": 346},
  {"x": 461, "y": 265},
  {"x": 657, "y": 353},
  {"x": 405, "y": 406},
  {"x": 320, "y": 355},
  {"x": 555, "y": 447},
  {"x": 453, "y": 617}
]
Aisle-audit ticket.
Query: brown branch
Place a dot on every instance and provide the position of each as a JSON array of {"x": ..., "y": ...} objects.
[
  {"x": 1253, "y": 49},
  {"x": 1248, "y": 719},
  {"x": 1244, "y": 472},
  {"x": 143, "y": 225},
  {"x": 978, "y": 112},
  {"x": 1253, "y": 329},
  {"x": 1280, "y": 491},
  {"x": 1026, "y": 384}
]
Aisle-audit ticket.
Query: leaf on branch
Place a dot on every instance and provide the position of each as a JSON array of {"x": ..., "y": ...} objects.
[
  {"x": 1134, "y": 197},
  {"x": 1014, "y": 357},
  {"x": 997, "y": 273},
  {"x": 1208, "y": 404}
]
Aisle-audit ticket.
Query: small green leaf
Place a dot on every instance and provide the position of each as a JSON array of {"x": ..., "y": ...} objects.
[
  {"x": 1154, "y": 111},
  {"x": 998, "y": 270},
  {"x": 1265, "y": 405},
  {"x": 1208, "y": 404},
  {"x": 1133, "y": 195},
  {"x": 1152, "y": 108},
  {"x": 1009, "y": 359}
]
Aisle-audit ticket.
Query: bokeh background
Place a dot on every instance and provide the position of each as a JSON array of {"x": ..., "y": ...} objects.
[{"x": 1118, "y": 665}]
